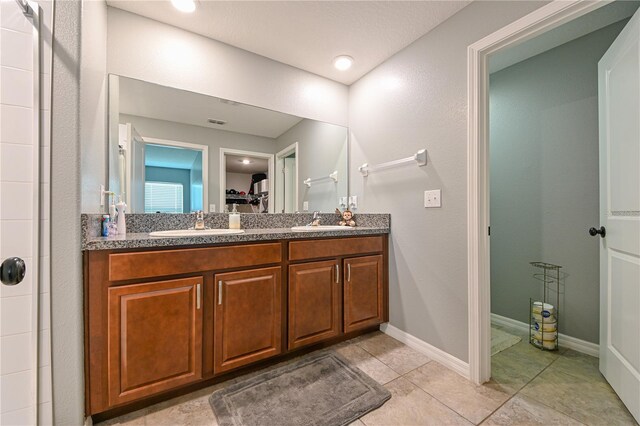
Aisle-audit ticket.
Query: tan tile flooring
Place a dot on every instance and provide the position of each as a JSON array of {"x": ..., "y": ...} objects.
[{"x": 528, "y": 387}]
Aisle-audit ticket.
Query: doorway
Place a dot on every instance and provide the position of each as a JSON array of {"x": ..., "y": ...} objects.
[
  {"x": 519, "y": 173},
  {"x": 163, "y": 176},
  {"x": 246, "y": 181}
]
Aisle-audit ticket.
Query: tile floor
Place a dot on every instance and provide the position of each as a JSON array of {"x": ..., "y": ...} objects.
[{"x": 528, "y": 387}]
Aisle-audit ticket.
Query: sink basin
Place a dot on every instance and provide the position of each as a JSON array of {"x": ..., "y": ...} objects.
[
  {"x": 320, "y": 228},
  {"x": 195, "y": 232}
]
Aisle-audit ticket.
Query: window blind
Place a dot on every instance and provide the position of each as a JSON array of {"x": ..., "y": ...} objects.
[{"x": 163, "y": 197}]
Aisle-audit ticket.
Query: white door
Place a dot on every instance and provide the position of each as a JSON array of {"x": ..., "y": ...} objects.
[
  {"x": 290, "y": 178},
  {"x": 619, "y": 98},
  {"x": 134, "y": 168}
]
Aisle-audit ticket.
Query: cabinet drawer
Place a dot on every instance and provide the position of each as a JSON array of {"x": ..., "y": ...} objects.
[
  {"x": 316, "y": 249},
  {"x": 146, "y": 264}
]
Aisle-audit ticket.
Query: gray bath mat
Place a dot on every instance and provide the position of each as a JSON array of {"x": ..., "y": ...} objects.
[
  {"x": 317, "y": 389},
  {"x": 501, "y": 340}
]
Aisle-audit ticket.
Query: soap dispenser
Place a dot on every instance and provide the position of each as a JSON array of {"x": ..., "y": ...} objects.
[
  {"x": 121, "y": 223},
  {"x": 234, "y": 218}
]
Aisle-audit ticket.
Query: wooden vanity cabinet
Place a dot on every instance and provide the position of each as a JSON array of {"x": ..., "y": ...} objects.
[
  {"x": 155, "y": 337},
  {"x": 160, "y": 322},
  {"x": 315, "y": 302},
  {"x": 363, "y": 292},
  {"x": 248, "y": 317}
]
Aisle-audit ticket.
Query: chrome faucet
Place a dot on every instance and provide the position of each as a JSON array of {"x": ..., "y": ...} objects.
[
  {"x": 199, "y": 220},
  {"x": 316, "y": 219}
]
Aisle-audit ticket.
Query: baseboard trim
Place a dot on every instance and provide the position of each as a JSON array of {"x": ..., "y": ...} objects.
[
  {"x": 579, "y": 345},
  {"x": 428, "y": 350}
]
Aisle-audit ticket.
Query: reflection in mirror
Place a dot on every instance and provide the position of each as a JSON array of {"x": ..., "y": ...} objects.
[{"x": 174, "y": 151}]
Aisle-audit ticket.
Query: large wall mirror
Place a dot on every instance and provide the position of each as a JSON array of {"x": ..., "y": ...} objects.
[{"x": 175, "y": 151}]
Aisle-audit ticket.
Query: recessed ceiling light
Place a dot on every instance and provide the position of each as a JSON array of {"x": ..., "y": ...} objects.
[
  {"x": 246, "y": 161},
  {"x": 343, "y": 62},
  {"x": 187, "y": 6}
]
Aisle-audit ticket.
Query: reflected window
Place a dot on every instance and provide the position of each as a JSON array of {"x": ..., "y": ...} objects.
[{"x": 163, "y": 197}]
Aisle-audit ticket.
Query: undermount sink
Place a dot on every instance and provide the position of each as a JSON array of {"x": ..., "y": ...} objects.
[
  {"x": 320, "y": 228},
  {"x": 195, "y": 232}
]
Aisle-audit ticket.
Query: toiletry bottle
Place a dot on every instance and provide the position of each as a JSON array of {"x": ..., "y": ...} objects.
[
  {"x": 234, "y": 218},
  {"x": 120, "y": 219}
]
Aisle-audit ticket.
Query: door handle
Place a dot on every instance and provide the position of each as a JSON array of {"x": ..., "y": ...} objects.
[
  {"x": 349, "y": 272},
  {"x": 337, "y": 273},
  {"x": 12, "y": 271},
  {"x": 198, "y": 296},
  {"x": 220, "y": 292},
  {"x": 602, "y": 231}
]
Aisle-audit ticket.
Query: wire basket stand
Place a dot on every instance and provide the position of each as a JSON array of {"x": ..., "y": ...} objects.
[{"x": 543, "y": 325}]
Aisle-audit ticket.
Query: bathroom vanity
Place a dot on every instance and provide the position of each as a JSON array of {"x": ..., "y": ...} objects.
[{"x": 163, "y": 319}]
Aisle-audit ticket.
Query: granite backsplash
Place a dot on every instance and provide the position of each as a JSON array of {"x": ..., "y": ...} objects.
[{"x": 145, "y": 223}]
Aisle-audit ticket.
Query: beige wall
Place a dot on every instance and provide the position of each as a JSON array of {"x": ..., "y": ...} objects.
[{"x": 418, "y": 99}]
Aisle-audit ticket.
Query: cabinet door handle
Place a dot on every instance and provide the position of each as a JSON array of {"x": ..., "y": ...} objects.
[
  {"x": 219, "y": 292},
  {"x": 349, "y": 272},
  {"x": 337, "y": 273},
  {"x": 198, "y": 296}
]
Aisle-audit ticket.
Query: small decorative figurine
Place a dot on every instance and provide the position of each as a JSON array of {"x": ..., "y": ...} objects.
[{"x": 346, "y": 218}]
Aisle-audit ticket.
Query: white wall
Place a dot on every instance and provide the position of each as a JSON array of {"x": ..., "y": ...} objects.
[
  {"x": 93, "y": 102},
  {"x": 544, "y": 180},
  {"x": 418, "y": 99},
  {"x": 322, "y": 149},
  {"x": 239, "y": 181},
  {"x": 66, "y": 258},
  {"x": 213, "y": 138},
  {"x": 148, "y": 50}
]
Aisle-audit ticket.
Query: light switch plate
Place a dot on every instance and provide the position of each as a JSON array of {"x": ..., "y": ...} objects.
[
  {"x": 432, "y": 198},
  {"x": 212, "y": 208},
  {"x": 305, "y": 206},
  {"x": 353, "y": 202},
  {"x": 102, "y": 191}
]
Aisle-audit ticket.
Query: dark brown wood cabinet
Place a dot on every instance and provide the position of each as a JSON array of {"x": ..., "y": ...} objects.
[
  {"x": 155, "y": 338},
  {"x": 363, "y": 292},
  {"x": 315, "y": 302},
  {"x": 248, "y": 317},
  {"x": 163, "y": 321}
]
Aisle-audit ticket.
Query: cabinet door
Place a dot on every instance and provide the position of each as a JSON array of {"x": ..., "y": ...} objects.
[
  {"x": 155, "y": 337},
  {"x": 315, "y": 302},
  {"x": 248, "y": 317},
  {"x": 362, "y": 292}
]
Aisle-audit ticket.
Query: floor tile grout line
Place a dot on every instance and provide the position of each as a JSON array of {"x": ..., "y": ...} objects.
[
  {"x": 540, "y": 402},
  {"x": 517, "y": 392}
]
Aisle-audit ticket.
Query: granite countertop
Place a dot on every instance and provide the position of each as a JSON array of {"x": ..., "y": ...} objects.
[
  {"x": 263, "y": 227},
  {"x": 143, "y": 240}
]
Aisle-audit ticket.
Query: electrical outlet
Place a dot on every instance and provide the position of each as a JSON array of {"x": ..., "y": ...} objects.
[
  {"x": 212, "y": 208},
  {"x": 343, "y": 202},
  {"x": 305, "y": 206},
  {"x": 432, "y": 198}
]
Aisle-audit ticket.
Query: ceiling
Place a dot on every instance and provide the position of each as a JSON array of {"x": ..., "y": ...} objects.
[
  {"x": 170, "y": 157},
  {"x": 257, "y": 165},
  {"x": 308, "y": 34},
  {"x": 149, "y": 100},
  {"x": 565, "y": 33}
]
